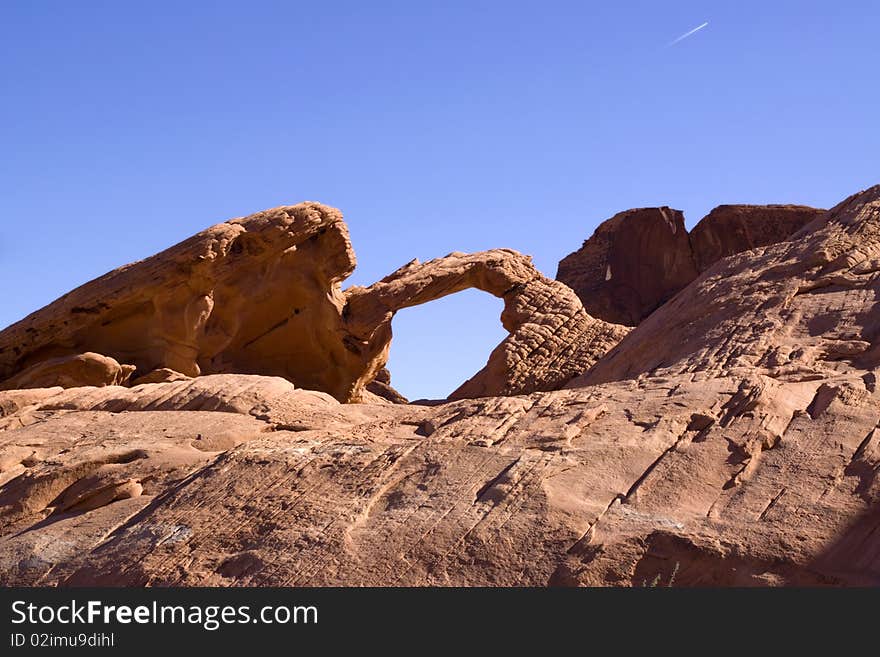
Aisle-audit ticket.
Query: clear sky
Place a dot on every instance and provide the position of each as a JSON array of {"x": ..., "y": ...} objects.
[{"x": 434, "y": 126}]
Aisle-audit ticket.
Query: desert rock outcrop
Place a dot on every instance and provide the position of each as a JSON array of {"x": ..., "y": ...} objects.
[
  {"x": 639, "y": 259},
  {"x": 261, "y": 295},
  {"x": 551, "y": 337},
  {"x": 799, "y": 310},
  {"x": 88, "y": 369},
  {"x": 729, "y": 440},
  {"x": 731, "y": 229},
  {"x": 633, "y": 263},
  {"x": 258, "y": 294}
]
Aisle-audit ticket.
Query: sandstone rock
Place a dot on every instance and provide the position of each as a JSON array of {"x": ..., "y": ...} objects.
[
  {"x": 796, "y": 310},
  {"x": 729, "y": 440},
  {"x": 551, "y": 337},
  {"x": 261, "y": 295},
  {"x": 161, "y": 375},
  {"x": 381, "y": 386},
  {"x": 612, "y": 485},
  {"x": 639, "y": 259},
  {"x": 88, "y": 369},
  {"x": 731, "y": 229},
  {"x": 633, "y": 263},
  {"x": 258, "y": 294}
]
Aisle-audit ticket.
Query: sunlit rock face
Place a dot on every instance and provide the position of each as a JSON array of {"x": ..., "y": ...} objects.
[{"x": 261, "y": 295}]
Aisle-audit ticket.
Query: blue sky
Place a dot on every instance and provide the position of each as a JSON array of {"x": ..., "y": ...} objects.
[{"x": 434, "y": 126}]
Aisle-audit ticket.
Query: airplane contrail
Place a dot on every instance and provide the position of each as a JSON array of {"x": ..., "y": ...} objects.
[{"x": 687, "y": 34}]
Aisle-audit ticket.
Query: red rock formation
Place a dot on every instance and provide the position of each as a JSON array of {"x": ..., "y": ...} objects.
[
  {"x": 633, "y": 263},
  {"x": 729, "y": 440},
  {"x": 381, "y": 386},
  {"x": 257, "y": 294},
  {"x": 261, "y": 295},
  {"x": 88, "y": 369},
  {"x": 551, "y": 338},
  {"x": 731, "y": 229},
  {"x": 639, "y": 259},
  {"x": 795, "y": 311}
]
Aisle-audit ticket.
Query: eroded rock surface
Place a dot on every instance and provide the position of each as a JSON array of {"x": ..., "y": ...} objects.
[
  {"x": 258, "y": 294},
  {"x": 729, "y": 440},
  {"x": 641, "y": 258},
  {"x": 731, "y": 229},
  {"x": 261, "y": 295},
  {"x": 551, "y": 337},
  {"x": 728, "y": 481},
  {"x": 796, "y": 310},
  {"x": 88, "y": 369}
]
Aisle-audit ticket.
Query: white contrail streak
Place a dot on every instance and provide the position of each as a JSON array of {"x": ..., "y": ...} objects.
[{"x": 687, "y": 34}]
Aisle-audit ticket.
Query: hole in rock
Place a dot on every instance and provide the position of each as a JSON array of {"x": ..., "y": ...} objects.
[{"x": 439, "y": 345}]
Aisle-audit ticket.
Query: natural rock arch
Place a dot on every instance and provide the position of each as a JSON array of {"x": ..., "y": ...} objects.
[
  {"x": 261, "y": 295},
  {"x": 552, "y": 338}
]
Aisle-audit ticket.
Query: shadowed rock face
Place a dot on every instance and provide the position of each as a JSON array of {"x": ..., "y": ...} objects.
[
  {"x": 796, "y": 310},
  {"x": 639, "y": 259},
  {"x": 729, "y": 440},
  {"x": 632, "y": 264},
  {"x": 261, "y": 295},
  {"x": 381, "y": 386}
]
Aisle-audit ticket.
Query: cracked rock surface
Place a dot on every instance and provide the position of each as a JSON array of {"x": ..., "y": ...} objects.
[{"x": 729, "y": 440}]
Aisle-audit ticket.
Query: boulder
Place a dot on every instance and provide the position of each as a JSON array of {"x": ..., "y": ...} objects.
[
  {"x": 381, "y": 386},
  {"x": 88, "y": 369},
  {"x": 161, "y": 375}
]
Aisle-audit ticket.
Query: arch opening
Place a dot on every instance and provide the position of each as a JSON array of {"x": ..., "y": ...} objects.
[{"x": 437, "y": 346}]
